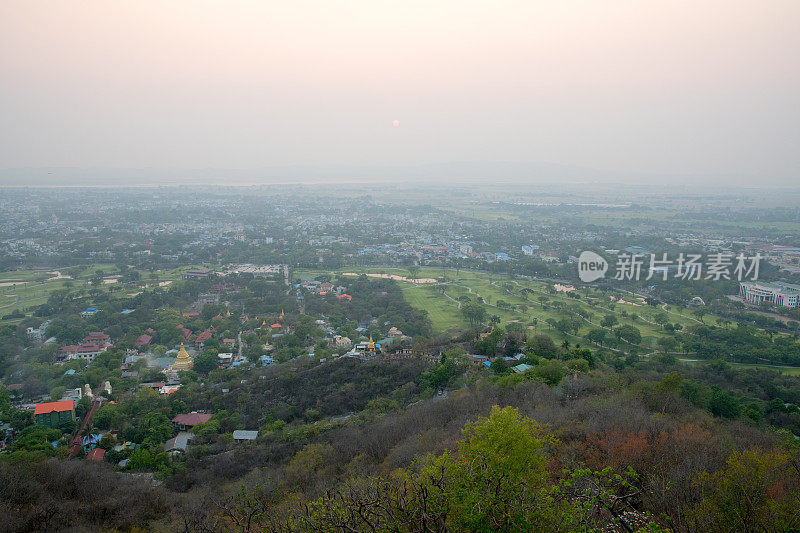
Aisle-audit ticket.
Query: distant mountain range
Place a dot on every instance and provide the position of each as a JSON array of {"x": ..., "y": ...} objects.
[{"x": 497, "y": 172}]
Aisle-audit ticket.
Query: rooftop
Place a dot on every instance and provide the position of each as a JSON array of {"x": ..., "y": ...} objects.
[
  {"x": 775, "y": 285},
  {"x": 241, "y": 434},
  {"x": 53, "y": 407},
  {"x": 191, "y": 419},
  {"x": 96, "y": 455}
]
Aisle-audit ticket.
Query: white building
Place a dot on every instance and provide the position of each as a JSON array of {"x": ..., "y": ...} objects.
[{"x": 777, "y": 293}]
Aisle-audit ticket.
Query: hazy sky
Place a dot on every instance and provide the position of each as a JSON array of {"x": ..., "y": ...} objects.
[{"x": 691, "y": 88}]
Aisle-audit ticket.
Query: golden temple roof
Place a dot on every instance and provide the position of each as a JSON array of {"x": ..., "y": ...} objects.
[{"x": 183, "y": 361}]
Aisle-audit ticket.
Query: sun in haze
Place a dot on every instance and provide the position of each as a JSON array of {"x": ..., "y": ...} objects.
[{"x": 395, "y": 123}]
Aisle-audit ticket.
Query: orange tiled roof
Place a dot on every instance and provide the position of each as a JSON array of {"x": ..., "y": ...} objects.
[{"x": 50, "y": 407}]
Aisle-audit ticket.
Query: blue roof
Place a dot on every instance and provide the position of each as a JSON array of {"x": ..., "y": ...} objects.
[
  {"x": 127, "y": 311},
  {"x": 487, "y": 364},
  {"x": 94, "y": 438},
  {"x": 69, "y": 372}
]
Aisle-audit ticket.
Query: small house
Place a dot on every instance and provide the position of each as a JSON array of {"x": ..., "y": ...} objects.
[
  {"x": 186, "y": 422},
  {"x": 51, "y": 414},
  {"x": 96, "y": 455}
]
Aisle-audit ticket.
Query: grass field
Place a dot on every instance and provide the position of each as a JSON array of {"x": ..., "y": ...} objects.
[
  {"x": 788, "y": 370},
  {"x": 444, "y": 314},
  {"x": 444, "y": 311},
  {"x": 31, "y": 287}
]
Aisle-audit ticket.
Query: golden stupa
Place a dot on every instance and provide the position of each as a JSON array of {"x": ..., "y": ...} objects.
[
  {"x": 371, "y": 345},
  {"x": 183, "y": 361},
  {"x": 282, "y": 316}
]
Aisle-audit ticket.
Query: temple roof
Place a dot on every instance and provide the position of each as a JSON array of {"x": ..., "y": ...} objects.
[{"x": 183, "y": 361}]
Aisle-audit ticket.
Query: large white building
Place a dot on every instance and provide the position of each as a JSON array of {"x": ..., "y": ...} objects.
[{"x": 777, "y": 293}]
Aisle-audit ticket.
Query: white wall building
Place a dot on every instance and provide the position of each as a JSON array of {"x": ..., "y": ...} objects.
[{"x": 778, "y": 293}]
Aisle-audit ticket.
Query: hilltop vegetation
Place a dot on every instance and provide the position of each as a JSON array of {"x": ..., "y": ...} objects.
[{"x": 482, "y": 389}]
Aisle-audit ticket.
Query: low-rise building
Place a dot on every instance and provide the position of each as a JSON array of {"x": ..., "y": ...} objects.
[
  {"x": 777, "y": 293},
  {"x": 224, "y": 360},
  {"x": 83, "y": 351},
  {"x": 198, "y": 273},
  {"x": 143, "y": 340},
  {"x": 96, "y": 455},
  {"x": 51, "y": 414},
  {"x": 186, "y": 422},
  {"x": 179, "y": 443}
]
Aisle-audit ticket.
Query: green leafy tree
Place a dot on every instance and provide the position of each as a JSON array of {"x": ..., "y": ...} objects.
[
  {"x": 498, "y": 479},
  {"x": 499, "y": 366},
  {"x": 628, "y": 333},
  {"x": 609, "y": 321},
  {"x": 207, "y": 430},
  {"x": 154, "y": 430},
  {"x": 723, "y": 404},
  {"x": 206, "y": 362},
  {"x": 551, "y": 372},
  {"x": 756, "y": 491},
  {"x": 474, "y": 312}
]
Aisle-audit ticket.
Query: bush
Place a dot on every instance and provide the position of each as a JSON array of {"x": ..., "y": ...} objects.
[
  {"x": 551, "y": 372},
  {"x": 581, "y": 365}
]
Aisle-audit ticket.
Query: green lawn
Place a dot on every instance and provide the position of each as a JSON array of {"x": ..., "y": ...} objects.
[
  {"x": 444, "y": 314},
  {"x": 788, "y": 370},
  {"x": 528, "y": 309},
  {"x": 39, "y": 285}
]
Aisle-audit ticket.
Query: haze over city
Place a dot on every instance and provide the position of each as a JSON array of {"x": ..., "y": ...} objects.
[
  {"x": 687, "y": 92},
  {"x": 365, "y": 265}
]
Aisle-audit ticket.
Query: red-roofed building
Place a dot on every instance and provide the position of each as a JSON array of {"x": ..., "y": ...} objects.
[
  {"x": 188, "y": 421},
  {"x": 51, "y": 414},
  {"x": 144, "y": 340},
  {"x": 345, "y": 297},
  {"x": 96, "y": 455},
  {"x": 275, "y": 326},
  {"x": 93, "y": 344},
  {"x": 186, "y": 332},
  {"x": 97, "y": 338},
  {"x": 202, "y": 337},
  {"x": 84, "y": 351}
]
